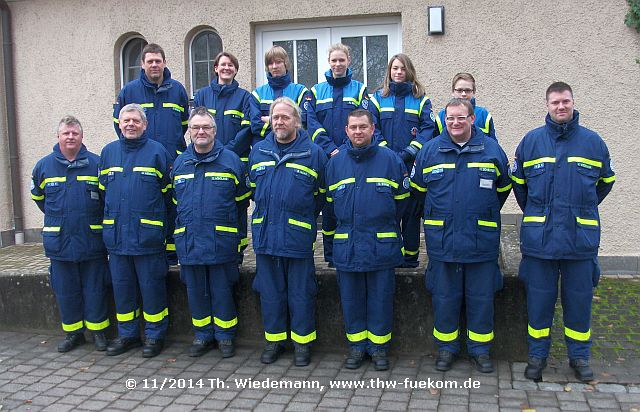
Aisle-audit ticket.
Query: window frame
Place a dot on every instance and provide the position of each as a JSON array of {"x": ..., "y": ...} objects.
[
  {"x": 194, "y": 36},
  {"x": 335, "y": 29},
  {"x": 124, "y": 45}
]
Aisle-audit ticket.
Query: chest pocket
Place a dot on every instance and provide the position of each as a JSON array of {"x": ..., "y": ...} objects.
[
  {"x": 220, "y": 189},
  {"x": 54, "y": 199}
]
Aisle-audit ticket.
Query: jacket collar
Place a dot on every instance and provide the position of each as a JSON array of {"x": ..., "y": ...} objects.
[
  {"x": 400, "y": 89},
  {"x": 166, "y": 80},
  {"x": 361, "y": 153},
  {"x": 340, "y": 81},
  {"x": 557, "y": 130},
  {"x": 223, "y": 89},
  {"x": 474, "y": 145},
  {"x": 279, "y": 82},
  {"x": 81, "y": 160},
  {"x": 211, "y": 156}
]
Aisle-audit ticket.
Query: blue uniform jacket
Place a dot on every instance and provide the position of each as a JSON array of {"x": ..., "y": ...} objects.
[
  {"x": 464, "y": 190},
  {"x": 561, "y": 173},
  {"x": 166, "y": 107},
  {"x": 484, "y": 120},
  {"x": 333, "y": 101},
  {"x": 67, "y": 192},
  {"x": 209, "y": 193},
  {"x": 403, "y": 122},
  {"x": 288, "y": 190},
  {"x": 138, "y": 212},
  {"x": 263, "y": 96},
  {"x": 368, "y": 188},
  {"x": 229, "y": 104}
]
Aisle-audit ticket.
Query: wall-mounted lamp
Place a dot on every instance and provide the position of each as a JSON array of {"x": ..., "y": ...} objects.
[{"x": 436, "y": 20}]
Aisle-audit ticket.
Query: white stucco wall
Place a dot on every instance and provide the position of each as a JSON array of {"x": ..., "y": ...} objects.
[{"x": 65, "y": 64}]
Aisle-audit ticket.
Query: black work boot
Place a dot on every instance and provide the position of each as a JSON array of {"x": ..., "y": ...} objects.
[
  {"x": 534, "y": 369},
  {"x": 582, "y": 369},
  {"x": 271, "y": 352},
  {"x": 152, "y": 347},
  {"x": 445, "y": 360},
  {"x": 72, "y": 340},
  {"x": 380, "y": 360},
  {"x": 199, "y": 347},
  {"x": 483, "y": 363},
  {"x": 301, "y": 354},
  {"x": 121, "y": 344},
  {"x": 227, "y": 348},
  {"x": 355, "y": 358},
  {"x": 100, "y": 341}
]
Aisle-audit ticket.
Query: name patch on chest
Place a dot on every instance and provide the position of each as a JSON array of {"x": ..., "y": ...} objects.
[
  {"x": 486, "y": 184},
  {"x": 145, "y": 173},
  {"x": 538, "y": 166},
  {"x": 302, "y": 172},
  {"x": 219, "y": 178},
  {"x": 52, "y": 184}
]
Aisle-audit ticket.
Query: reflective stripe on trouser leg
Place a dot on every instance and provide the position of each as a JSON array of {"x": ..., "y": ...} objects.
[
  {"x": 67, "y": 287},
  {"x": 152, "y": 279},
  {"x": 95, "y": 278},
  {"x": 125, "y": 295},
  {"x": 381, "y": 287},
  {"x": 578, "y": 278},
  {"x": 270, "y": 284},
  {"x": 302, "y": 291},
  {"x": 328, "y": 230},
  {"x": 445, "y": 281},
  {"x": 541, "y": 283},
  {"x": 481, "y": 281},
  {"x": 410, "y": 227},
  {"x": 221, "y": 281},
  {"x": 353, "y": 297},
  {"x": 194, "y": 277}
]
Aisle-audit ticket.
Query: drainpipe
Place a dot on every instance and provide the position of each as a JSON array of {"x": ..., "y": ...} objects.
[{"x": 12, "y": 140}]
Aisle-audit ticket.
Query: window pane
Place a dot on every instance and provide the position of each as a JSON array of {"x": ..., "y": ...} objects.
[
  {"x": 356, "y": 46},
  {"x": 307, "y": 62},
  {"x": 199, "y": 49},
  {"x": 201, "y": 77},
  {"x": 377, "y": 59},
  {"x": 287, "y": 45},
  {"x": 215, "y": 46},
  {"x": 131, "y": 56},
  {"x": 204, "y": 49}
]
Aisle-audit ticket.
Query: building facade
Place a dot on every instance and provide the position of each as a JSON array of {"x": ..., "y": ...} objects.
[{"x": 72, "y": 57}]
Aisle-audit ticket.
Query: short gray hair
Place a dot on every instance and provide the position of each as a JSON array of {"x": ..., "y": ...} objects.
[
  {"x": 133, "y": 107},
  {"x": 203, "y": 111},
  {"x": 69, "y": 120}
]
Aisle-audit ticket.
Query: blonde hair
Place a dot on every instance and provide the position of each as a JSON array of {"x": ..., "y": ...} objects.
[
  {"x": 418, "y": 89},
  {"x": 276, "y": 52},
  {"x": 340, "y": 47}
]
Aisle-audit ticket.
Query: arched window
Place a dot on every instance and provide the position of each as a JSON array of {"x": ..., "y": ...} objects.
[
  {"x": 204, "y": 48},
  {"x": 130, "y": 59}
]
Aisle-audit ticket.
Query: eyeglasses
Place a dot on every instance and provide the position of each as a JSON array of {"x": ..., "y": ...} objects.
[
  {"x": 204, "y": 128},
  {"x": 451, "y": 119},
  {"x": 467, "y": 91}
]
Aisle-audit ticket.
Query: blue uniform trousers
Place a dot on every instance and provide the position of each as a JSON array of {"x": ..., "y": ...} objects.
[
  {"x": 81, "y": 293},
  {"x": 367, "y": 307},
  {"x": 287, "y": 286},
  {"x": 410, "y": 227},
  {"x": 143, "y": 275},
  {"x": 476, "y": 283},
  {"x": 578, "y": 279},
  {"x": 210, "y": 293},
  {"x": 328, "y": 230}
]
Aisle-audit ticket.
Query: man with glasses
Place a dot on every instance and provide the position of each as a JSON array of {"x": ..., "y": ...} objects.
[
  {"x": 463, "y": 86},
  {"x": 561, "y": 173},
  {"x": 210, "y": 190},
  {"x": 463, "y": 176}
]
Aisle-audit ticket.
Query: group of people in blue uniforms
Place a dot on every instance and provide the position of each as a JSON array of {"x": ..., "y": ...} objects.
[{"x": 375, "y": 165}]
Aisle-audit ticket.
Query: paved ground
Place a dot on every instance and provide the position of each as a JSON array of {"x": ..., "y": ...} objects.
[{"x": 33, "y": 376}]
